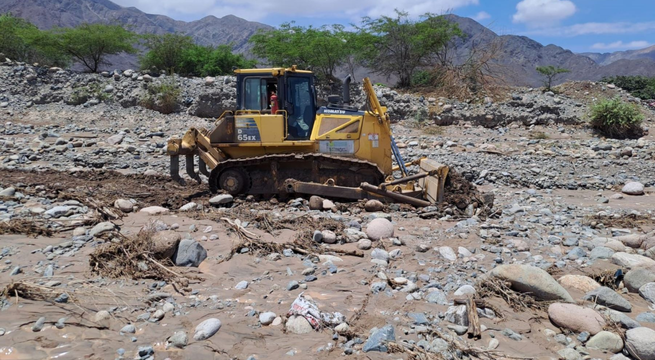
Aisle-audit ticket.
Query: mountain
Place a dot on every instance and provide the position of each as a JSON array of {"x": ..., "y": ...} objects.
[
  {"x": 608, "y": 58},
  {"x": 209, "y": 30},
  {"x": 518, "y": 56}
]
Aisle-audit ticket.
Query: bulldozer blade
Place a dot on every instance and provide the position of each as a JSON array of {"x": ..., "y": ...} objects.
[
  {"x": 175, "y": 170},
  {"x": 202, "y": 167},
  {"x": 190, "y": 169}
]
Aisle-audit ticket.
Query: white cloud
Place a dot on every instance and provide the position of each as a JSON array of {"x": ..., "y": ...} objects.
[
  {"x": 596, "y": 28},
  {"x": 542, "y": 13},
  {"x": 620, "y": 45},
  {"x": 259, "y": 9},
  {"x": 482, "y": 15}
]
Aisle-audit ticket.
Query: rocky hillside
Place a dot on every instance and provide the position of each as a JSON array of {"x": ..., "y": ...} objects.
[
  {"x": 608, "y": 58},
  {"x": 520, "y": 55},
  {"x": 209, "y": 30}
]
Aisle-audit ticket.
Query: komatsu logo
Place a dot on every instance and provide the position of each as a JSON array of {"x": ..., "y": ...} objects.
[{"x": 331, "y": 111}]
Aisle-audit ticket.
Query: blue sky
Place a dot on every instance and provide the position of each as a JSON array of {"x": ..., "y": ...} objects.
[{"x": 578, "y": 25}]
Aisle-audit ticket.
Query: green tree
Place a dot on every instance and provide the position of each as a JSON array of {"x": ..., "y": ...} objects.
[
  {"x": 399, "y": 46},
  {"x": 322, "y": 49},
  {"x": 20, "y": 40},
  {"x": 208, "y": 61},
  {"x": 550, "y": 72},
  {"x": 91, "y": 43},
  {"x": 165, "y": 52}
]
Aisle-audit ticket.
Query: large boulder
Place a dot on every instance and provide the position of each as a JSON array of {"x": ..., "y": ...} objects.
[
  {"x": 298, "y": 325},
  {"x": 636, "y": 278},
  {"x": 606, "y": 341},
  {"x": 633, "y": 188},
  {"x": 632, "y": 261},
  {"x": 580, "y": 283},
  {"x": 647, "y": 291},
  {"x": 576, "y": 318},
  {"x": 640, "y": 343},
  {"x": 532, "y": 280},
  {"x": 608, "y": 297},
  {"x": 189, "y": 253},
  {"x": 379, "y": 228}
]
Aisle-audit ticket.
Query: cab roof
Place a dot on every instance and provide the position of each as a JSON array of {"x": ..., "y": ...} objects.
[{"x": 272, "y": 71}]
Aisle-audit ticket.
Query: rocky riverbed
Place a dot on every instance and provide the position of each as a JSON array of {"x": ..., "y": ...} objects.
[{"x": 103, "y": 257}]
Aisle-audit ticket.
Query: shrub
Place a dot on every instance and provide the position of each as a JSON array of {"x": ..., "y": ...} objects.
[
  {"x": 616, "y": 119},
  {"x": 423, "y": 78},
  {"x": 540, "y": 135},
  {"x": 162, "y": 97},
  {"x": 639, "y": 86}
]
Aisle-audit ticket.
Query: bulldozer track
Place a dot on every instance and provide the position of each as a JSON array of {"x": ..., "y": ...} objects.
[{"x": 267, "y": 173}]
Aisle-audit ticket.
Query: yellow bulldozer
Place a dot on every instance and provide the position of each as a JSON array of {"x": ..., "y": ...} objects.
[{"x": 279, "y": 141}]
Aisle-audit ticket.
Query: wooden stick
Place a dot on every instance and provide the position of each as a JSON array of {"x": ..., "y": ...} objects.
[{"x": 474, "y": 321}]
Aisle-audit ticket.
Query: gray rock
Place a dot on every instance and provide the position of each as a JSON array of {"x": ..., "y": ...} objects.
[
  {"x": 128, "y": 329},
  {"x": 533, "y": 280},
  {"x": 242, "y": 285},
  {"x": 448, "y": 253},
  {"x": 419, "y": 318},
  {"x": 221, "y": 199},
  {"x": 61, "y": 323},
  {"x": 608, "y": 297},
  {"x": 364, "y": 244},
  {"x": 438, "y": 346},
  {"x": 640, "y": 343},
  {"x": 380, "y": 254},
  {"x": 377, "y": 287},
  {"x": 58, "y": 211},
  {"x": 189, "y": 253},
  {"x": 633, "y": 188},
  {"x": 124, "y": 205},
  {"x": 8, "y": 192},
  {"x": 636, "y": 278},
  {"x": 207, "y": 329},
  {"x": 647, "y": 317},
  {"x": 178, "y": 340},
  {"x": 620, "y": 318},
  {"x": 267, "y": 318},
  {"x": 38, "y": 325},
  {"x": 457, "y": 315},
  {"x": 647, "y": 291},
  {"x": 601, "y": 252},
  {"x": 49, "y": 271},
  {"x": 102, "y": 228},
  {"x": 379, "y": 339},
  {"x": 465, "y": 290},
  {"x": 62, "y": 298},
  {"x": 329, "y": 237},
  {"x": 115, "y": 139},
  {"x": 436, "y": 296},
  {"x": 15, "y": 271},
  {"x": 512, "y": 334},
  {"x": 145, "y": 352},
  {"x": 292, "y": 285},
  {"x": 569, "y": 354}
]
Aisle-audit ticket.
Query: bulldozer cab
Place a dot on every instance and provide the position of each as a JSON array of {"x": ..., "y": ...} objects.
[{"x": 291, "y": 93}]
